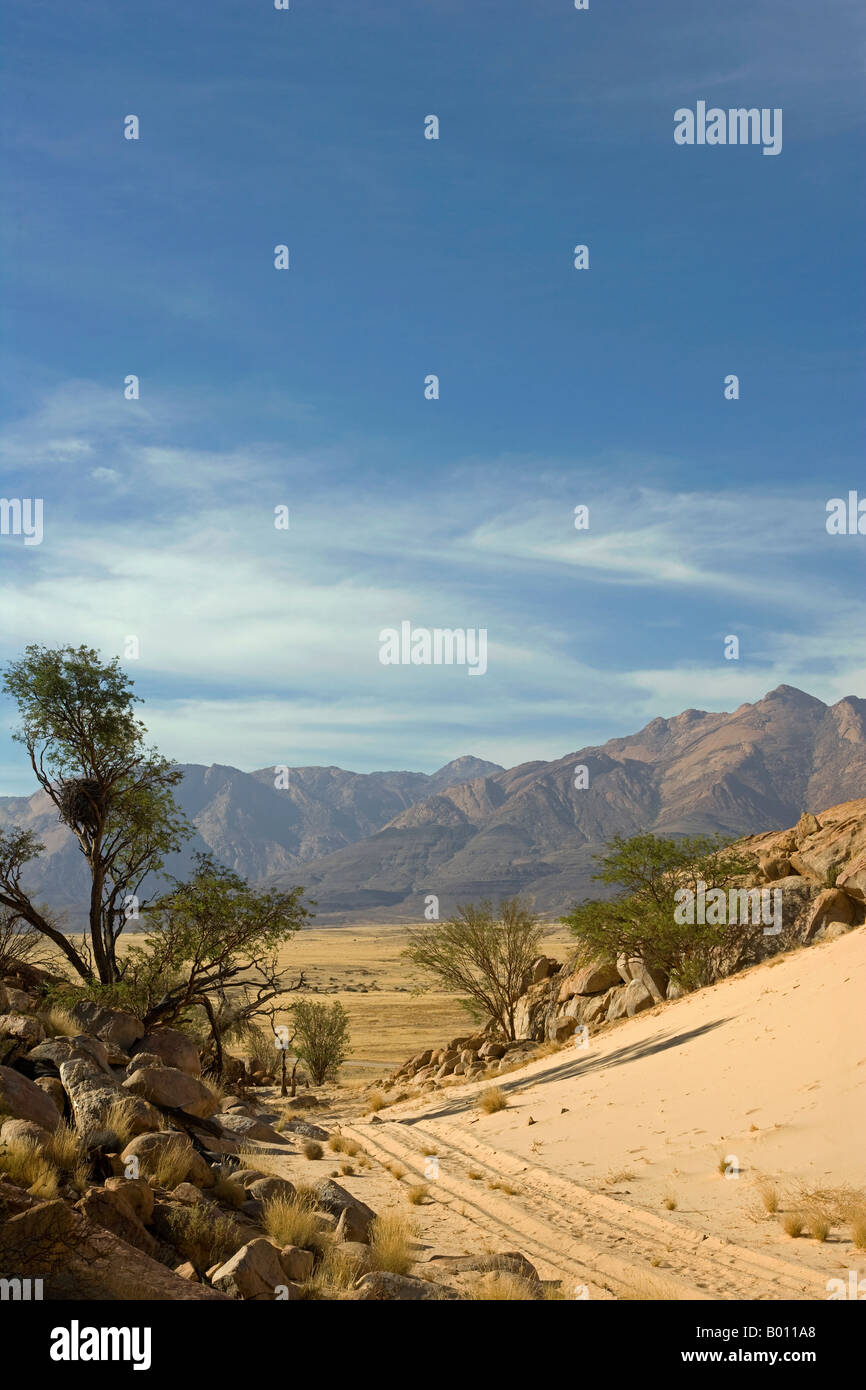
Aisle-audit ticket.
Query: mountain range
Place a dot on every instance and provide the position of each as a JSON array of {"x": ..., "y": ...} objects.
[{"x": 374, "y": 845}]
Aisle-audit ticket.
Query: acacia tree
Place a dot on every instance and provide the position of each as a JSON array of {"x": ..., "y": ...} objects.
[
  {"x": 481, "y": 955},
  {"x": 642, "y": 920},
  {"x": 88, "y": 753},
  {"x": 321, "y": 1037},
  {"x": 212, "y": 946}
]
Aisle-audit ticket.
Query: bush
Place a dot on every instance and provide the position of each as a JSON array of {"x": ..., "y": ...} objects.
[
  {"x": 293, "y": 1221},
  {"x": 321, "y": 1037},
  {"x": 649, "y": 916},
  {"x": 311, "y": 1148},
  {"x": 25, "y": 1163}
]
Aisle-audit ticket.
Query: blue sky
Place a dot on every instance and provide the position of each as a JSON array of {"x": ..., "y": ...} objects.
[{"x": 410, "y": 257}]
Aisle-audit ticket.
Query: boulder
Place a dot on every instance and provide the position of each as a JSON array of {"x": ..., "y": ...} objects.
[
  {"x": 91, "y": 1092},
  {"x": 560, "y": 1028},
  {"x": 381, "y": 1286},
  {"x": 16, "y": 1131},
  {"x": 137, "y": 1193},
  {"x": 772, "y": 865},
  {"x": 638, "y": 998},
  {"x": 617, "y": 1005},
  {"x": 113, "y": 1026},
  {"x": 175, "y": 1089},
  {"x": 188, "y": 1193},
  {"x": 148, "y": 1148},
  {"x": 595, "y": 978},
  {"x": 78, "y": 1049},
  {"x": 492, "y": 1050},
  {"x": 16, "y": 1001},
  {"x": 22, "y": 1099},
  {"x": 253, "y": 1272},
  {"x": 596, "y": 1008},
  {"x": 26, "y": 1029},
  {"x": 336, "y": 1200},
  {"x": 654, "y": 981},
  {"x": 108, "y": 1207},
  {"x": 831, "y": 905},
  {"x": 236, "y": 1126},
  {"x": 81, "y": 1260},
  {"x": 297, "y": 1264},
  {"x": 507, "y": 1262},
  {"x": 175, "y": 1049},
  {"x": 306, "y": 1130},
  {"x": 832, "y": 930},
  {"x": 268, "y": 1188},
  {"x": 53, "y": 1087}
]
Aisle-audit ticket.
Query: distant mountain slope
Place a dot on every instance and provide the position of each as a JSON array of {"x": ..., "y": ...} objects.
[
  {"x": 531, "y": 830},
  {"x": 376, "y": 844}
]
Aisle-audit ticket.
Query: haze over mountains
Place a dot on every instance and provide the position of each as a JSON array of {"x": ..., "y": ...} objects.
[{"x": 374, "y": 845}]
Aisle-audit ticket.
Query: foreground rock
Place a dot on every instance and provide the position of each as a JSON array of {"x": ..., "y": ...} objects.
[{"x": 380, "y": 1286}]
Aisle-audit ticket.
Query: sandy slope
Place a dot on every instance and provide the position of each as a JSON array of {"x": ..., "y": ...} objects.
[{"x": 767, "y": 1068}]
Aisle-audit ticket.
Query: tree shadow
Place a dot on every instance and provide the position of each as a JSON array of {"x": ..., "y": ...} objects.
[{"x": 583, "y": 1065}]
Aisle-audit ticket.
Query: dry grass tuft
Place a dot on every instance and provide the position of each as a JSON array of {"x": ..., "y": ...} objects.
[
  {"x": 25, "y": 1163},
  {"x": 229, "y": 1192},
  {"x": 617, "y": 1175},
  {"x": 396, "y": 1170},
  {"x": 500, "y": 1185},
  {"x": 311, "y": 1148},
  {"x": 501, "y": 1287},
  {"x": 670, "y": 1202},
  {"x": 293, "y": 1221},
  {"x": 475, "y": 1175},
  {"x": 65, "y": 1149},
  {"x": 121, "y": 1119},
  {"x": 818, "y": 1225},
  {"x": 769, "y": 1195},
  {"x": 491, "y": 1100},
  {"x": 59, "y": 1023},
  {"x": 418, "y": 1194},
  {"x": 429, "y": 1150},
  {"x": 376, "y": 1101},
  {"x": 793, "y": 1224},
  {"x": 391, "y": 1243},
  {"x": 171, "y": 1164}
]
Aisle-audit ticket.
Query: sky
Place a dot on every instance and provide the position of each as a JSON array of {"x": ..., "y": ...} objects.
[{"x": 305, "y": 388}]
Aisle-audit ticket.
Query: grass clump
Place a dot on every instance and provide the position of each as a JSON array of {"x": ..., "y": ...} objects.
[
  {"x": 25, "y": 1163},
  {"x": 491, "y": 1100},
  {"x": 214, "y": 1237},
  {"x": 501, "y": 1287},
  {"x": 793, "y": 1224},
  {"x": 396, "y": 1170},
  {"x": 390, "y": 1243},
  {"x": 311, "y": 1148},
  {"x": 293, "y": 1221},
  {"x": 769, "y": 1195},
  {"x": 376, "y": 1101},
  {"x": 418, "y": 1194},
  {"x": 171, "y": 1164}
]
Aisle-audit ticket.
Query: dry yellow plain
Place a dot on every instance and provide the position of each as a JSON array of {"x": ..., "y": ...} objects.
[{"x": 361, "y": 965}]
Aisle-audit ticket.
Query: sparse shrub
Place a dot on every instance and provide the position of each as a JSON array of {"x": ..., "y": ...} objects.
[
  {"x": 793, "y": 1224},
  {"x": 311, "y": 1148},
  {"x": 418, "y": 1194},
  {"x": 346, "y": 1169},
  {"x": 376, "y": 1101},
  {"x": 617, "y": 1175},
  {"x": 211, "y": 1235},
  {"x": 396, "y": 1170},
  {"x": 492, "y": 1099},
  {"x": 390, "y": 1243}
]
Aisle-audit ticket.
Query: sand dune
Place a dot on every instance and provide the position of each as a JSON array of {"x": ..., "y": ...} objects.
[{"x": 766, "y": 1069}]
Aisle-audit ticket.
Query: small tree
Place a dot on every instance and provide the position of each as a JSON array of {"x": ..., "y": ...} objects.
[
  {"x": 642, "y": 919},
  {"x": 321, "y": 1037},
  {"x": 212, "y": 948},
  {"x": 87, "y": 751},
  {"x": 481, "y": 955}
]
